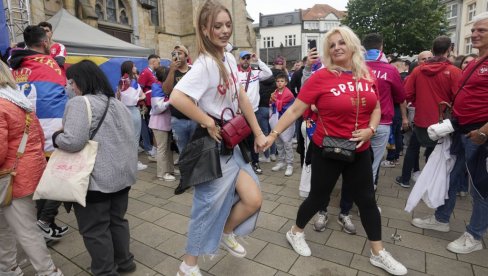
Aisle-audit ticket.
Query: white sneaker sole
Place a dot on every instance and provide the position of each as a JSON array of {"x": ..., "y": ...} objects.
[
  {"x": 439, "y": 228},
  {"x": 232, "y": 252},
  {"x": 382, "y": 266},
  {"x": 344, "y": 228},
  {"x": 467, "y": 251}
]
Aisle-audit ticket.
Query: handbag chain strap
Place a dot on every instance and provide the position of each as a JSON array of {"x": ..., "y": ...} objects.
[
  {"x": 357, "y": 111},
  {"x": 23, "y": 142}
]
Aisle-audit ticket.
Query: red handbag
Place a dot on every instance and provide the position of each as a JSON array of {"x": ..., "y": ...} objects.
[{"x": 235, "y": 130}]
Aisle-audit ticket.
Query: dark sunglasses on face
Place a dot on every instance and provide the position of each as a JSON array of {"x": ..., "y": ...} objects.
[{"x": 248, "y": 57}]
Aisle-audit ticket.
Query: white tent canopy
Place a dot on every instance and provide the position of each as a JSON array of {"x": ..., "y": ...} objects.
[{"x": 82, "y": 39}]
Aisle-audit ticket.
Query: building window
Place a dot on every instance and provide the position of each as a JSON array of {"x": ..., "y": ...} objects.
[
  {"x": 112, "y": 11},
  {"x": 269, "y": 22},
  {"x": 471, "y": 11},
  {"x": 268, "y": 42},
  {"x": 468, "y": 48},
  {"x": 290, "y": 40},
  {"x": 452, "y": 11}
]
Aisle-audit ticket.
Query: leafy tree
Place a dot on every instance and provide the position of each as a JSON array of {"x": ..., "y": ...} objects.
[{"x": 408, "y": 27}]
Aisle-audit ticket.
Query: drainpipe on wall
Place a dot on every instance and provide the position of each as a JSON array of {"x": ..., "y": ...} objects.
[{"x": 135, "y": 22}]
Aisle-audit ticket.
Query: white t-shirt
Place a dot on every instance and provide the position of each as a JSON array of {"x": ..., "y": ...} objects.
[{"x": 202, "y": 84}]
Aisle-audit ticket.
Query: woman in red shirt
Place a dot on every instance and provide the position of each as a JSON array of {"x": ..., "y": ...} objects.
[{"x": 345, "y": 95}]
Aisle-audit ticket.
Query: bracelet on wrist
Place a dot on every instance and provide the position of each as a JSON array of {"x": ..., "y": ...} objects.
[{"x": 275, "y": 132}]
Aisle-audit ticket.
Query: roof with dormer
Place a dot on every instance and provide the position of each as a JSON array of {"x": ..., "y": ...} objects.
[{"x": 321, "y": 11}]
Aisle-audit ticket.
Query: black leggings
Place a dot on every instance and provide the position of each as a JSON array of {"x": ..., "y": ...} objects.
[{"x": 357, "y": 177}]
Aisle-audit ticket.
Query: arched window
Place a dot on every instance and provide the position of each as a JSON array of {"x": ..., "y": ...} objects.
[
  {"x": 100, "y": 10},
  {"x": 112, "y": 11},
  {"x": 123, "y": 19}
]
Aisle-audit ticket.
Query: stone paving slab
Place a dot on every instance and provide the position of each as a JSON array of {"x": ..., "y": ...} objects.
[{"x": 159, "y": 223}]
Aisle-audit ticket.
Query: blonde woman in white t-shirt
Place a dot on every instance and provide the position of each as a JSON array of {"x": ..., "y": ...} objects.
[{"x": 213, "y": 84}]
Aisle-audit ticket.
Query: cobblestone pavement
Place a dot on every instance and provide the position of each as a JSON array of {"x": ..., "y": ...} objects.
[{"x": 159, "y": 220}]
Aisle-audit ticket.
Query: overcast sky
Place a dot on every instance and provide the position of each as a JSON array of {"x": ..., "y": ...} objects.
[{"x": 254, "y": 7}]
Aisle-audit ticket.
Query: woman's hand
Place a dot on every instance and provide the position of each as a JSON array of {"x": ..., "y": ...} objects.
[
  {"x": 260, "y": 143},
  {"x": 361, "y": 136},
  {"x": 269, "y": 141},
  {"x": 213, "y": 129}
]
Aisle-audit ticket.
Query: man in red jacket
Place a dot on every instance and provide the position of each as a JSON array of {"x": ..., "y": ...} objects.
[{"x": 431, "y": 83}]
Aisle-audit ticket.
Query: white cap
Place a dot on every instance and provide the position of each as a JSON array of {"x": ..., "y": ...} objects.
[{"x": 481, "y": 16}]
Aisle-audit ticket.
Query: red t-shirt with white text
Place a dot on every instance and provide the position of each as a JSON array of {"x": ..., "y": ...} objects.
[{"x": 335, "y": 98}]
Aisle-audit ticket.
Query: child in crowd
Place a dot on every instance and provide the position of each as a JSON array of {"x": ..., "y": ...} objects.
[{"x": 280, "y": 100}]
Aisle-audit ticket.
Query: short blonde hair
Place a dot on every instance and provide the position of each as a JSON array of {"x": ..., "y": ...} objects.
[
  {"x": 358, "y": 64},
  {"x": 6, "y": 78}
]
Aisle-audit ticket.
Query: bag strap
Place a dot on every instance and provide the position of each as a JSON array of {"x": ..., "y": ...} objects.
[
  {"x": 88, "y": 106},
  {"x": 23, "y": 141},
  {"x": 467, "y": 78},
  {"x": 357, "y": 112}
]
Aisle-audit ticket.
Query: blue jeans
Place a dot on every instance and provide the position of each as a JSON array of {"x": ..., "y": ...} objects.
[
  {"x": 397, "y": 133},
  {"x": 378, "y": 145},
  {"x": 476, "y": 164},
  {"x": 212, "y": 203},
  {"x": 182, "y": 131},
  {"x": 262, "y": 115},
  {"x": 456, "y": 179}
]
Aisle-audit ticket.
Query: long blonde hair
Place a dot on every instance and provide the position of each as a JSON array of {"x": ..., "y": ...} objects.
[
  {"x": 6, "y": 78},
  {"x": 205, "y": 19},
  {"x": 358, "y": 64}
]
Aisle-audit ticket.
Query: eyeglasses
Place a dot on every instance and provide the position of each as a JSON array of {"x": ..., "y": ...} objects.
[{"x": 246, "y": 57}]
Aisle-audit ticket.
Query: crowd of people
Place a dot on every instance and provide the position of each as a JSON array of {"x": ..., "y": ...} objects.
[{"x": 346, "y": 108}]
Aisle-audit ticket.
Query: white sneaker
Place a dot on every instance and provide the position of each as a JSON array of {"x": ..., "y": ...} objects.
[
  {"x": 15, "y": 272},
  {"x": 415, "y": 176},
  {"x": 431, "y": 223},
  {"x": 176, "y": 172},
  {"x": 167, "y": 177},
  {"x": 385, "y": 261},
  {"x": 152, "y": 152},
  {"x": 297, "y": 241},
  {"x": 151, "y": 158},
  {"x": 387, "y": 164},
  {"x": 264, "y": 159},
  {"x": 192, "y": 271},
  {"x": 139, "y": 149},
  {"x": 278, "y": 166},
  {"x": 235, "y": 248},
  {"x": 289, "y": 170},
  {"x": 465, "y": 244},
  {"x": 141, "y": 166},
  {"x": 272, "y": 157}
]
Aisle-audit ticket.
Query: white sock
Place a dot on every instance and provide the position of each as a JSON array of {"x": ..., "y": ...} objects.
[{"x": 185, "y": 268}]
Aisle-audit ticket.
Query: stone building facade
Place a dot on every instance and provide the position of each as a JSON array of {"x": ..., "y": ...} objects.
[{"x": 157, "y": 24}]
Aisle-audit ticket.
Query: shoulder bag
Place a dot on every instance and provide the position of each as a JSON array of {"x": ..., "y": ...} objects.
[
  {"x": 236, "y": 129},
  {"x": 339, "y": 148},
  {"x": 7, "y": 176},
  {"x": 67, "y": 175},
  {"x": 199, "y": 161}
]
